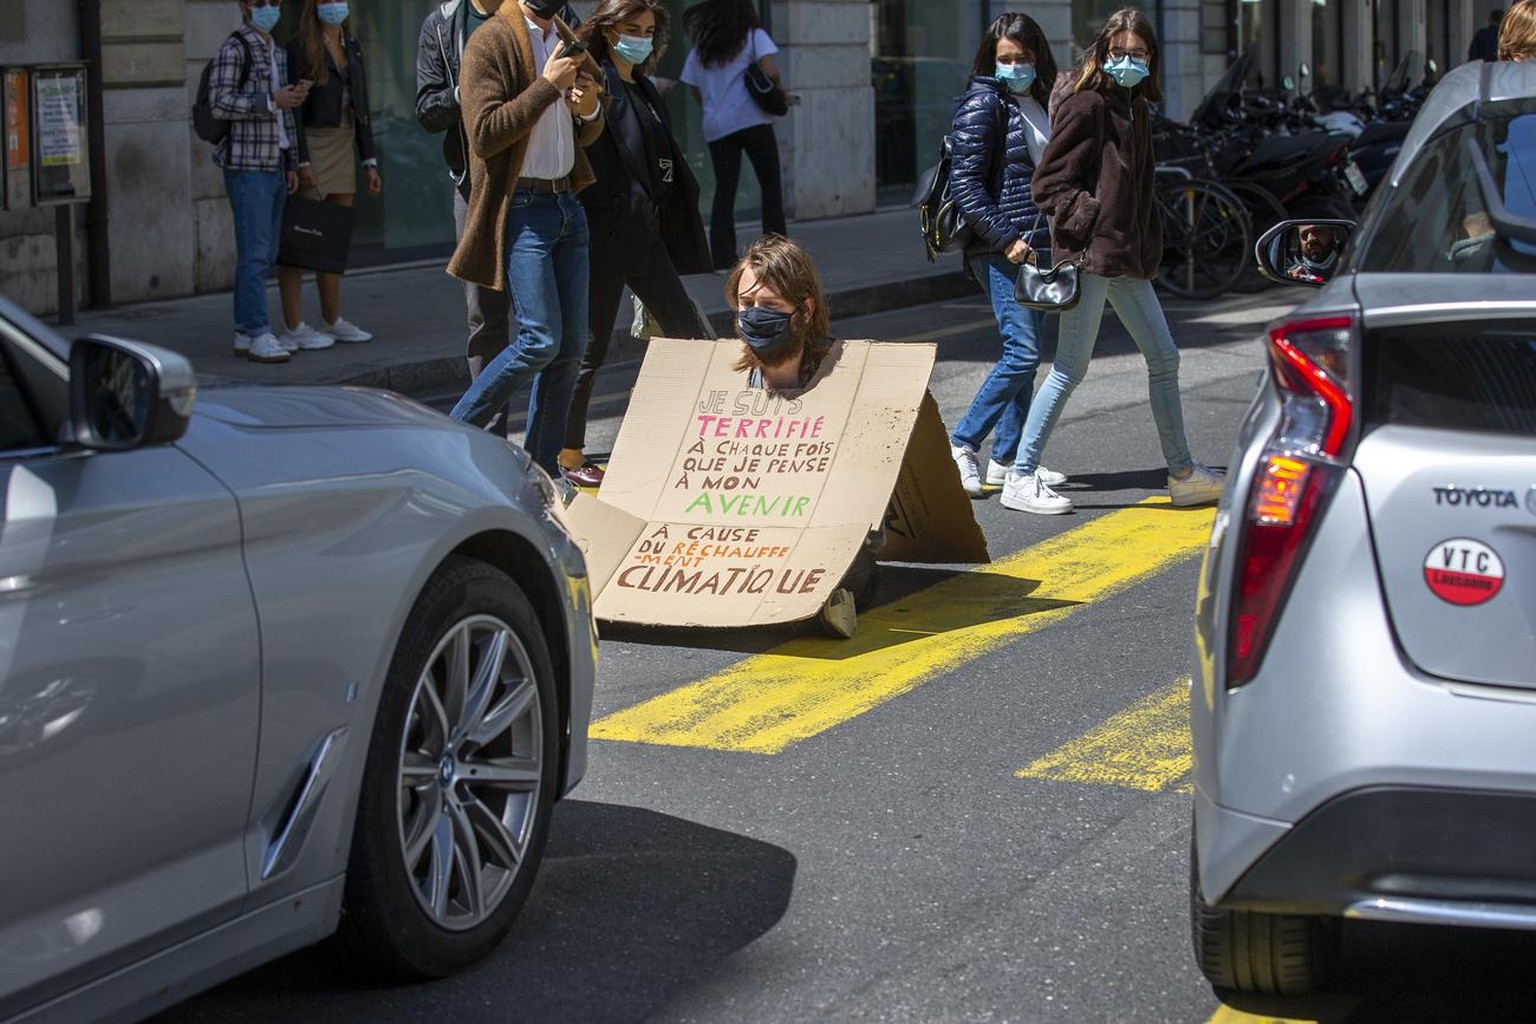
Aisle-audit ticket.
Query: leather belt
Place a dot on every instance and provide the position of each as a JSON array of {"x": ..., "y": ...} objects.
[{"x": 553, "y": 185}]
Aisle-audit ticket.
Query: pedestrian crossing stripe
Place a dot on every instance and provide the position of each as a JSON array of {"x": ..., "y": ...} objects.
[
  {"x": 1330, "y": 1008},
  {"x": 1146, "y": 747},
  {"x": 800, "y": 689}
]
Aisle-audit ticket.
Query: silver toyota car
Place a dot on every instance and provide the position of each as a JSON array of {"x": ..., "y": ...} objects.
[
  {"x": 1364, "y": 701},
  {"x": 272, "y": 660}
]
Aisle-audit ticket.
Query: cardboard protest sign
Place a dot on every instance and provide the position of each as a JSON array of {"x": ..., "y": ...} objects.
[{"x": 727, "y": 505}]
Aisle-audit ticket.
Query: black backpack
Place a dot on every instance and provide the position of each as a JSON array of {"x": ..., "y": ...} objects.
[
  {"x": 944, "y": 230},
  {"x": 209, "y": 128}
]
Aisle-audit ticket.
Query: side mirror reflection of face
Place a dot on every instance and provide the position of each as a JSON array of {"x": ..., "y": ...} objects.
[{"x": 1304, "y": 252}]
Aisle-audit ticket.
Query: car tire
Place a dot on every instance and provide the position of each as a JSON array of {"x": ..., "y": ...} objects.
[
  {"x": 1249, "y": 951},
  {"x": 445, "y": 851}
]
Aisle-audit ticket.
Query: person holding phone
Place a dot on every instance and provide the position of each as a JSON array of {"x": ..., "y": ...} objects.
[
  {"x": 529, "y": 112},
  {"x": 248, "y": 87},
  {"x": 326, "y": 58}
]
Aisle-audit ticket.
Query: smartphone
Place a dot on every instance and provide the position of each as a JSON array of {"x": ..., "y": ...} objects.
[
  {"x": 574, "y": 48},
  {"x": 305, "y": 83}
]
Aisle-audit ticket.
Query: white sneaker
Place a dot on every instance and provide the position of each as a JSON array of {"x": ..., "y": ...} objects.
[
  {"x": 344, "y": 330},
  {"x": 303, "y": 336},
  {"x": 242, "y": 345},
  {"x": 997, "y": 475},
  {"x": 265, "y": 349},
  {"x": 970, "y": 471},
  {"x": 1202, "y": 487},
  {"x": 1029, "y": 493}
]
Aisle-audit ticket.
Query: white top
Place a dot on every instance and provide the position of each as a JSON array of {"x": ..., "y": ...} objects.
[
  {"x": 728, "y": 107},
  {"x": 1039, "y": 126},
  {"x": 552, "y": 143}
]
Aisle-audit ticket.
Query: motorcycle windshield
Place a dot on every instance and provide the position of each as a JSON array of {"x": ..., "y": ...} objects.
[{"x": 1230, "y": 84}]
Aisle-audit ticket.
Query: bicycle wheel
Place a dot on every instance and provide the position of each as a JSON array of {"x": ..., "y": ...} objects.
[
  {"x": 1206, "y": 239},
  {"x": 1264, "y": 212}
]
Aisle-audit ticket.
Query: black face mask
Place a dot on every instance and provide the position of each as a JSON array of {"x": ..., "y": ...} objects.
[
  {"x": 767, "y": 332},
  {"x": 544, "y": 8}
]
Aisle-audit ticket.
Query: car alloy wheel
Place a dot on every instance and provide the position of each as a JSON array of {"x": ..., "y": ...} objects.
[{"x": 471, "y": 758}]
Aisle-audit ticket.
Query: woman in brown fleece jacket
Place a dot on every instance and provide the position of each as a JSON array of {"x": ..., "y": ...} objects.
[{"x": 1094, "y": 182}]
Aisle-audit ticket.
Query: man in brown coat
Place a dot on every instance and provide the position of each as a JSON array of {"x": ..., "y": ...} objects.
[{"x": 524, "y": 229}]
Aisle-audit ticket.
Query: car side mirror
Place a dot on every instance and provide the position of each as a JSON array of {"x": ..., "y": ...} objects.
[
  {"x": 124, "y": 394},
  {"x": 1307, "y": 252}
]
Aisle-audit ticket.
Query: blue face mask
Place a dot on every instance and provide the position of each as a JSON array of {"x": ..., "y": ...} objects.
[
  {"x": 264, "y": 19},
  {"x": 1128, "y": 71},
  {"x": 634, "y": 49},
  {"x": 768, "y": 333},
  {"x": 1017, "y": 77},
  {"x": 332, "y": 13}
]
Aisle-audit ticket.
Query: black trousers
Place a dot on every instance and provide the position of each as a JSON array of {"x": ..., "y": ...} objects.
[
  {"x": 489, "y": 314},
  {"x": 647, "y": 270},
  {"x": 762, "y": 148}
]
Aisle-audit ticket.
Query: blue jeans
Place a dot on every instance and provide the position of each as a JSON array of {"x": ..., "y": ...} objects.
[
  {"x": 1138, "y": 309},
  {"x": 256, "y": 199},
  {"x": 547, "y": 274},
  {"x": 1002, "y": 401}
]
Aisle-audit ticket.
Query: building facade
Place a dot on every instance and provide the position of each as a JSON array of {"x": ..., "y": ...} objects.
[{"x": 877, "y": 81}]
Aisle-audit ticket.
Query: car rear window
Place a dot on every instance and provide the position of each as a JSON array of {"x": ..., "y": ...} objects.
[
  {"x": 1434, "y": 222},
  {"x": 1479, "y": 378}
]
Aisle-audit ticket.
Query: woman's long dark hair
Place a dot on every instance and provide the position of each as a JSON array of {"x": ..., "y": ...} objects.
[
  {"x": 1024, "y": 31},
  {"x": 610, "y": 14},
  {"x": 1090, "y": 74},
  {"x": 312, "y": 32},
  {"x": 719, "y": 28}
]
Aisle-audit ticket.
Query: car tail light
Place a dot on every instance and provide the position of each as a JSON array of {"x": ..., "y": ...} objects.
[{"x": 1297, "y": 470}]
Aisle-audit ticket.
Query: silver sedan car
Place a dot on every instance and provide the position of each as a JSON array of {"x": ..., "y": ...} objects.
[
  {"x": 1364, "y": 703},
  {"x": 272, "y": 661}
]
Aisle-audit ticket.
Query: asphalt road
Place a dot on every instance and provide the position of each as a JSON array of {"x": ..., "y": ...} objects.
[{"x": 1001, "y": 835}]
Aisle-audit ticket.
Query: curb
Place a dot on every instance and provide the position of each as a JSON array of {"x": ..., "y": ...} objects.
[{"x": 443, "y": 375}]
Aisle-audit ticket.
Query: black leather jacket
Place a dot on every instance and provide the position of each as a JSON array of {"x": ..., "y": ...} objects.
[
  {"x": 323, "y": 107},
  {"x": 439, "y": 50}
]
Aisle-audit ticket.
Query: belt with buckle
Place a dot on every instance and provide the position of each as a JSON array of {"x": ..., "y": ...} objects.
[{"x": 552, "y": 185}]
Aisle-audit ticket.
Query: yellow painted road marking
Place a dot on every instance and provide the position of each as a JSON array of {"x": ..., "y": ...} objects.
[
  {"x": 802, "y": 688},
  {"x": 1146, "y": 746}
]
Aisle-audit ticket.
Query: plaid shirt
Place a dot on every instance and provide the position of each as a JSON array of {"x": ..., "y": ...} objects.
[{"x": 252, "y": 142}]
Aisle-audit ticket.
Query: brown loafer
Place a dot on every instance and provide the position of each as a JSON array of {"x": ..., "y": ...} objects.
[{"x": 586, "y": 475}]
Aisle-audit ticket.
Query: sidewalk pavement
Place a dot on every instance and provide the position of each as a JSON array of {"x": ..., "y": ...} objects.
[{"x": 868, "y": 264}]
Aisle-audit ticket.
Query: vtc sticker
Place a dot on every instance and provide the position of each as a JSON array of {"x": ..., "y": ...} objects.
[{"x": 1463, "y": 571}]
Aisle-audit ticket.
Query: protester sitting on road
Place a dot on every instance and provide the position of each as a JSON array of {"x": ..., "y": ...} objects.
[
  {"x": 642, "y": 211},
  {"x": 335, "y": 120},
  {"x": 786, "y": 334},
  {"x": 999, "y": 132},
  {"x": 1318, "y": 255},
  {"x": 1517, "y": 32},
  {"x": 1095, "y": 182}
]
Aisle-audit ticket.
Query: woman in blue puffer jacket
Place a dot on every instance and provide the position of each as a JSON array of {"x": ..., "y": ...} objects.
[{"x": 999, "y": 132}]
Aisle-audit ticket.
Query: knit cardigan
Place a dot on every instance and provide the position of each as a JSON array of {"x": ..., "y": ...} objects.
[
  {"x": 502, "y": 95},
  {"x": 1095, "y": 182}
]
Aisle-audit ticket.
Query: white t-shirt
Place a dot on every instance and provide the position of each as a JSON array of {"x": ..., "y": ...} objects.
[
  {"x": 1039, "y": 126},
  {"x": 551, "y": 151},
  {"x": 728, "y": 107}
]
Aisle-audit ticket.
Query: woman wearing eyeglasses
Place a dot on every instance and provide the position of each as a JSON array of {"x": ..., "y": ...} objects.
[{"x": 1094, "y": 182}]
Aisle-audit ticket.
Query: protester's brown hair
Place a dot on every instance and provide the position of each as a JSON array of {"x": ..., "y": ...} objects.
[
  {"x": 1517, "y": 32},
  {"x": 610, "y": 14},
  {"x": 786, "y": 269},
  {"x": 1090, "y": 74}
]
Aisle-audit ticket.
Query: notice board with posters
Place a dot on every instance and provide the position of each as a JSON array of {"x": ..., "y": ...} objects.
[
  {"x": 729, "y": 505},
  {"x": 60, "y": 142}
]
